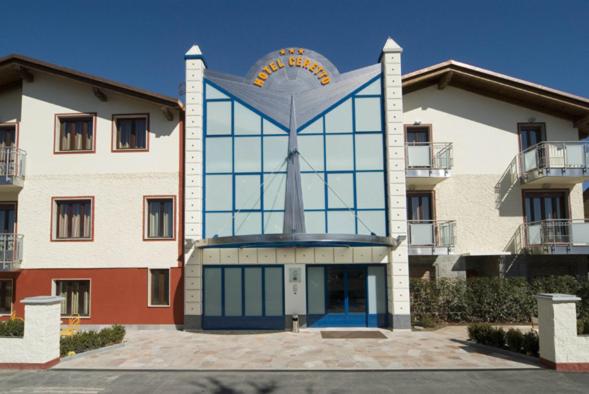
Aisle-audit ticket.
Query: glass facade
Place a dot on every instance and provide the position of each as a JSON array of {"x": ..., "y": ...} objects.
[
  {"x": 341, "y": 159},
  {"x": 342, "y": 163}
]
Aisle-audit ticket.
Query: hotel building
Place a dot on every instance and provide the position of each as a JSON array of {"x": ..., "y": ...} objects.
[{"x": 296, "y": 190}]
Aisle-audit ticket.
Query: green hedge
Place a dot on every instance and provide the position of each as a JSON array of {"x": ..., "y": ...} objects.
[
  {"x": 12, "y": 328},
  {"x": 514, "y": 340},
  {"x": 489, "y": 299},
  {"x": 88, "y": 340}
]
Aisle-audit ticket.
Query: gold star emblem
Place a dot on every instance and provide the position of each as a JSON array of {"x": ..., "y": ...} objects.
[
  {"x": 301, "y": 51},
  {"x": 291, "y": 51},
  {"x": 282, "y": 52}
]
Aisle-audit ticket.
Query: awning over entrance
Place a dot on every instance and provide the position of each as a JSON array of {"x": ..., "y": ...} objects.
[{"x": 297, "y": 240}]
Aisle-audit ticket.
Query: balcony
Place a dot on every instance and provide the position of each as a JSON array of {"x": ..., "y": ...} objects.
[
  {"x": 431, "y": 237},
  {"x": 10, "y": 251},
  {"x": 556, "y": 237},
  {"x": 12, "y": 168},
  {"x": 555, "y": 163},
  {"x": 427, "y": 163}
]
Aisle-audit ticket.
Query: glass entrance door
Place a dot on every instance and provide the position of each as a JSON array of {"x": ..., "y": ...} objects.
[{"x": 346, "y": 296}]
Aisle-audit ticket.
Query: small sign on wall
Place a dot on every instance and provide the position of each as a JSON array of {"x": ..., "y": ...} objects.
[{"x": 294, "y": 275}]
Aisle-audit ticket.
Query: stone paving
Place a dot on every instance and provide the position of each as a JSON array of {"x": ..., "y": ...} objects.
[{"x": 179, "y": 350}]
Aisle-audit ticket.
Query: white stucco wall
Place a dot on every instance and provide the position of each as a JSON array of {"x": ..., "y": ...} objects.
[
  {"x": 559, "y": 342},
  {"x": 117, "y": 181},
  {"x": 483, "y": 132},
  {"x": 40, "y": 343}
]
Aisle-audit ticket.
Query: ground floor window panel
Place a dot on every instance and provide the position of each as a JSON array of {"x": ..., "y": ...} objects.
[
  {"x": 159, "y": 282},
  {"x": 346, "y": 296},
  {"x": 6, "y": 290},
  {"x": 247, "y": 297},
  {"x": 76, "y": 294}
]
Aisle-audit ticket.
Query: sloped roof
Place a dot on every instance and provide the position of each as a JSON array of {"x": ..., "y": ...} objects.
[
  {"x": 12, "y": 66},
  {"x": 501, "y": 87}
]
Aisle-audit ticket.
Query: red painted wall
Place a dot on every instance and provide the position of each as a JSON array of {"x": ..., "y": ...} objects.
[{"x": 117, "y": 295}]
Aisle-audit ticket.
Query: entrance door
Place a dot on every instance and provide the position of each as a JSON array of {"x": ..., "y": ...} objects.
[{"x": 346, "y": 296}]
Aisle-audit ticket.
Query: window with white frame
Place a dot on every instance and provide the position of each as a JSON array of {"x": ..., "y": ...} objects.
[
  {"x": 131, "y": 132},
  {"x": 6, "y": 289},
  {"x": 76, "y": 297},
  {"x": 159, "y": 217},
  {"x": 159, "y": 287},
  {"x": 76, "y": 133},
  {"x": 73, "y": 219}
]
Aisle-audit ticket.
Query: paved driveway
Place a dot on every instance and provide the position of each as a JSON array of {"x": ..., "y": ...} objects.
[{"x": 179, "y": 350}]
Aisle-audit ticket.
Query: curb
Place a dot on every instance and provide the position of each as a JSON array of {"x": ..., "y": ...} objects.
[
  {"x": 293, "y": 370},
  {"x": 91, "y": 352},
  {"x": 509, "y": 353}
]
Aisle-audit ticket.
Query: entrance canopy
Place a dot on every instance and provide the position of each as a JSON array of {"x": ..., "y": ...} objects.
[{"x": 298, "y": 240}]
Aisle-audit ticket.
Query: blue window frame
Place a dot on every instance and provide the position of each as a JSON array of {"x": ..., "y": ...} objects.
[{"x": 342, "y": 166}]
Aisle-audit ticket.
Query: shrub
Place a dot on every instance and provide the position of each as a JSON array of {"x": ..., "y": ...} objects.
[
  {"x": 515, "y": 340},
  {"x": 498, "y": 300},
  {"x": 583, "y": 326},
  {"x": 426, "y": 321},
  {"x": 531, "y": 344},
  {"x": 88, "y": 340},
  {"x": 12, "y": 328},
  {"x": 480, "y": 332}
]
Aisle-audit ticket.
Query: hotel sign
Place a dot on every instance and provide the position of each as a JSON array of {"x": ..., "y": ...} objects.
[{"x": 290, "y": 58}]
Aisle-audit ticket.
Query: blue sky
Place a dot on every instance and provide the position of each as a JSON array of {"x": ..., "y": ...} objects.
[{"x": 142, "y": 42}]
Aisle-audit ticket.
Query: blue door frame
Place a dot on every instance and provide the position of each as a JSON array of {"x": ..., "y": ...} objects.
[{"x": 347, "y": 318}]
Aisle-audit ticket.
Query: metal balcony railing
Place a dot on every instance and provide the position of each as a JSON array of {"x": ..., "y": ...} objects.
[
  {"x": 12, "y": 164},
  {"x": 11, "y": 249},
  {"x": 429, "y": 155},
  {"x": 555, "y": 155},
  {"x": 432, "y": 233},
  {"x": 563, "y": 232}
]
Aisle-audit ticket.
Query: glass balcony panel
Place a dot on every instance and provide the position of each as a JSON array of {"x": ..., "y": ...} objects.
[
  {"x": 575, "y": 155},
  {"x": 446, "y": 234},
  {"x": 530, "y": 162},
  {"x": 421, "y": 233},
  {"x": 534, "y": 234},
  {"x": 419, "y": 156},
  {"x": 556, "y": 154},
  {"x": 443, "y": 158},
  {"x": 580, "y": 233}
]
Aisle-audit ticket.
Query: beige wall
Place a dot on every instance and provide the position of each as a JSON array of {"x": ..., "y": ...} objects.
[
  {"x": 483, "y": 132},
  {"x": 118, "y": 181}
]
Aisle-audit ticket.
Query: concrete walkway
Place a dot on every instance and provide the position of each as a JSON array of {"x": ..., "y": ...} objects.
[{"x": 178, "y": 350}]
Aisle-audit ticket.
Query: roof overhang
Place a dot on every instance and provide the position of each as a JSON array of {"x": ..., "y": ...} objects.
[
  {"x": 502, "y": 87},
  {"x": 301, "y": 240},
  {"x": 15, "y": 68}
]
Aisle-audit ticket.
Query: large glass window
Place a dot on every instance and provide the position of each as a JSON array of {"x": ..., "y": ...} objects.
[
  {"x": 341, "y": 160},
  {"x": 245, "y": 168},
  {"x": 345, "y": 146}
]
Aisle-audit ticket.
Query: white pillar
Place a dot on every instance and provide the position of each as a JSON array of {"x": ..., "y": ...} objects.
[
  {"x": 560, "y": 346},
  {"x": 193, "y": 164},
  {"x": 398, "y": 268},
  {"x": 39, "y": 346}
]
